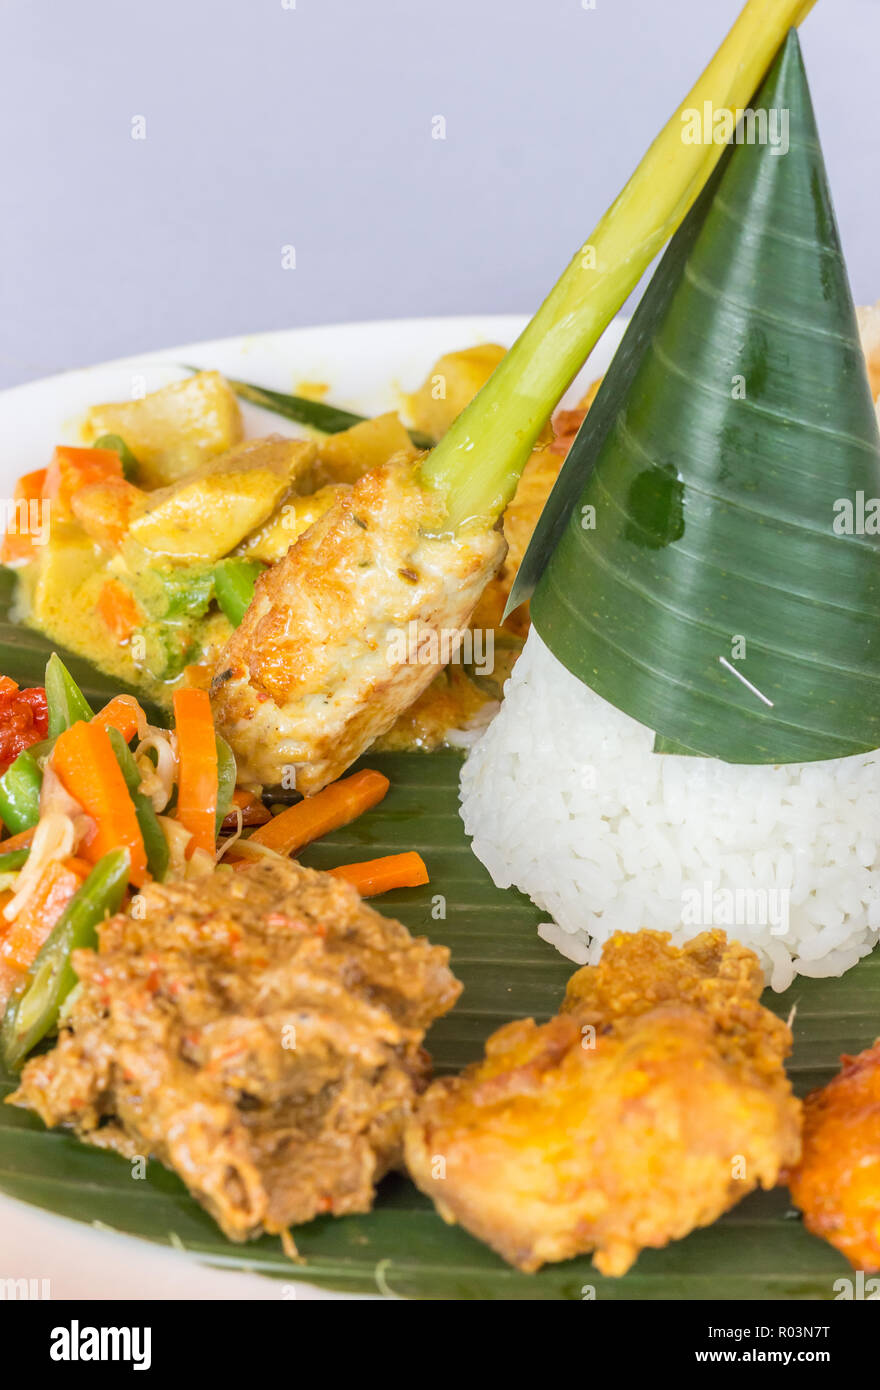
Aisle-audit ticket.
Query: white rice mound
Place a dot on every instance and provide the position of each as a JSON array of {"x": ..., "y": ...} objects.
[{"x": 564, "y": 798}]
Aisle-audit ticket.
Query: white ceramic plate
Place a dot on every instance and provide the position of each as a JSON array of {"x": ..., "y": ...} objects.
[{"x": 365, "y": 367}]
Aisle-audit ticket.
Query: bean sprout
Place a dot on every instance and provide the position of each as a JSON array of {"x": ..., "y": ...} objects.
[
  {"x": 253, "y": 850},
  {"x": 53, "y": 839},
  {"x": 157, "y": 782},
  {"x": 232, "y": 839}
]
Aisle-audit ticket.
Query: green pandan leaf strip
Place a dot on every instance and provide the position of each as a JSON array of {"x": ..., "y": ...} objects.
[
  {"x": 478, "y": 463},
  {"x": 315, "y": 415}
]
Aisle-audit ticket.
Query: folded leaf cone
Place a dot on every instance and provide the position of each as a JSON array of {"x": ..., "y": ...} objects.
[{"x": 706, "y": 559}]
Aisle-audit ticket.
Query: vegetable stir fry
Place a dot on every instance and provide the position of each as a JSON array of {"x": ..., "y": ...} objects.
[{"x": 95, "y": 806}]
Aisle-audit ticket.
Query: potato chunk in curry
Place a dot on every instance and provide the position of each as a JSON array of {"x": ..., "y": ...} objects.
[
  {"x": 173, "y": 430},
  {"x": 451, "y": 384},
  {"x": 206, "y": 514}
]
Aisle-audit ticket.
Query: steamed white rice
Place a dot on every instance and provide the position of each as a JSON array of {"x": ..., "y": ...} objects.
[{"x": 565, "y": 799}]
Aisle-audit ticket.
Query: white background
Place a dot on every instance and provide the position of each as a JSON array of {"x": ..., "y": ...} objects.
[{"x": 311, "y": 127}]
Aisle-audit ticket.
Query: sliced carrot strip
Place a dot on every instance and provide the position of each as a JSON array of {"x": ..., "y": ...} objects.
[
  {"x": 24, "y": 937},
  {"x": 18, "y": 546},
  {"x": 22, "y": 840},
  {"x": 197, "y": 768},
  {"x": 327, "y": 810},
  {"x": 122, "y": 713},
  {"x": 84, "y": 759},
  {"x": 381, "y": 875}
]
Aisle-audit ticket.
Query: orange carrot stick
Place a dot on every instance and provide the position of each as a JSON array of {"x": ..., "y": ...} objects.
[
  {"x": 22, "y": 939},
  {"x": 327, "y": 810},
  {"x": 22, "y": 840},
  {"x": 374, "y": 876},
  {"x": 121, "y": 713},
  {"x": 84, "y": 759},
  {"x": 73, "y": 468},
  {"x": 197, "y": 768}
]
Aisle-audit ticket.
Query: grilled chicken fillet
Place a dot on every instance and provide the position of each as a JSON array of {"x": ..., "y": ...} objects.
[{"x": 336, "y": 642}]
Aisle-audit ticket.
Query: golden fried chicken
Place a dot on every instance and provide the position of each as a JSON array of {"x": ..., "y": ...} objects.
[
  {"x": 651, "y": 1104},
  {"x": 260, "y": 1032},
  {"x": 837, "y": 1182},
  {"x": 332, "y": 648}
]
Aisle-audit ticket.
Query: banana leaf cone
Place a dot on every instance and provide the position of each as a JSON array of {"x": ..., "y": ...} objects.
[{"x": 708, "y": 560}]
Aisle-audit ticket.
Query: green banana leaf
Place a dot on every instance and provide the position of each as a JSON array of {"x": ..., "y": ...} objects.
[
  {"x": 695, "y": 566},
  {"x": 760, "y": 1250}
]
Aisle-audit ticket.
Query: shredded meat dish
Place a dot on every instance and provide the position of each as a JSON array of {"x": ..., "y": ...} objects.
[{"x": 260, "y": 1032}]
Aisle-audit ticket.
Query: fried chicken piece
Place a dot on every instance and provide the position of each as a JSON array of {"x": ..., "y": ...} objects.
[
  {"x": 324, "y": 660},
  {"x": 259, "y": 1032},
  {"x": 566, "y": 423},
  {"x": 869, "y": 333},
  {"x": 651, "y": 1104},
  {"x": 837, "y": 1182},
  {"x": 519, "y": 520}
]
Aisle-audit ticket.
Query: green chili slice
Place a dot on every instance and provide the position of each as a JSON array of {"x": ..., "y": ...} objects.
[
  {"x": 34, "y": 1006},
  {"x": 155, "y": 844},
  {"x": 20, "y": 793},
  {"x": 66, "y": 702},
  {"x": 234, "y": 581},
  {"x": 130, "y": 465}
]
